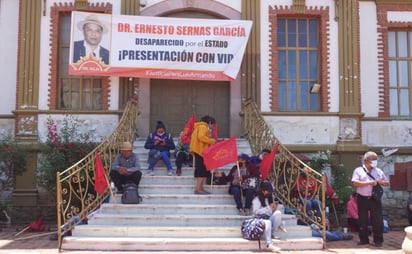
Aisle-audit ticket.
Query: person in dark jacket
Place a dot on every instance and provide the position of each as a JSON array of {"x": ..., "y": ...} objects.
[
  {"x": 159, "y": 143},
  {"x": 236, "y": 177},
  {"x": 125, "y": 167}
]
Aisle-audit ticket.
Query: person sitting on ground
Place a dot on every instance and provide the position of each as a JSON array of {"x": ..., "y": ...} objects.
[
  {"x": 264, "y": 207},
  {"x": 235, "y": 177},
  {"x": 307, "y": 188},
  {"x": 257, "y": 159},
  {"x": 332, "y": 235},
  {"x": 352, "y": 212},
  {"x": 159, "y": 143},
  {"x": 182, "y": 156},
  {"x": 125, "y": 167}
]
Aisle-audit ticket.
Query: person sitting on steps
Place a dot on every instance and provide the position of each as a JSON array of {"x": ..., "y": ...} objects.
[
  {"x": 159, "y": 143},
  {"x": 235, "y": 177},
  {"x": 264, "y": 207},
  {"x": 125, "y": 167},
  {"x": 182, "y": 156}
]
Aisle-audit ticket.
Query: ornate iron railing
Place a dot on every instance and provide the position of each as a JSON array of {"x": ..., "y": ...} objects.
[
  {"x": 286, "y": 169},
  {"x": 76, "y": 197}
]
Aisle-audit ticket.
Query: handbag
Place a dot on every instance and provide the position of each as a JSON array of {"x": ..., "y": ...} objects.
[
  {"x": 251, "y": 183},
  {"x": 377, "y": 190}
]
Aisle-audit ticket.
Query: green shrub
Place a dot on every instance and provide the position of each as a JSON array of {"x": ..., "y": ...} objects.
[
  {"x": 13, "y": 162},
  {"x": 62, "y": 149}
]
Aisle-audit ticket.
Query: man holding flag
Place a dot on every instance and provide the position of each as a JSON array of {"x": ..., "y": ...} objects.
[
  {"x": 237, "y": 175},
  {"x": 200, "y": 140}
]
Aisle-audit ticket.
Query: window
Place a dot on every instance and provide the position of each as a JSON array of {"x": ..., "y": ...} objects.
[
  {"x": 400, "y": 72},
  {"x": 74, "y": 92},
  {"x": 298, "y": 64}
]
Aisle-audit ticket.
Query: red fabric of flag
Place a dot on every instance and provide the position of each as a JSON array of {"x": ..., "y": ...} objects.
[
  {"x": 100, "y": 182},
  {"x": 330, "y": 192},
  {"x": 187, "y": 130},
  {"x": 220, "y": 154},
  {"x": 266, "y": 163}
]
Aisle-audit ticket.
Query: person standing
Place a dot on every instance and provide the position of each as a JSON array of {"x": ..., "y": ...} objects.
[
  {"x": 200, "y": 140},
  {"x": 159, "y": 143},
  {"x": 125, "y": 167},
  {"x": 409, "y": 208},
  {"x": 368, "y": 206},
  {"x": 93, "y": 30}
]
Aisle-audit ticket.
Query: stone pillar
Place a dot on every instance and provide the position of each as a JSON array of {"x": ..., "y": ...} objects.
[
  {"x": 27, "y": 89},
  {"x": 349, "y": 83},
  {"x": 250, "y": 70}
]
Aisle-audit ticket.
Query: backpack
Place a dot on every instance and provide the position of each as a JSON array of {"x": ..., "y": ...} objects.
[
  {"x": 130, "y": 194},
  {"x": 252, "y": 229}
]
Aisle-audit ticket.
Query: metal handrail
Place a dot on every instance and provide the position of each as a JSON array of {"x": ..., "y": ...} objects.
[
  {"x": 286, "y": 167},
  {"x": 76, "y": 197}
]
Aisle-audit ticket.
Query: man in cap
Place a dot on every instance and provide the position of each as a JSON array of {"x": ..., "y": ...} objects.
[
  {"x": 93, "y": 30},
  {"x": 125, "y": 167}
]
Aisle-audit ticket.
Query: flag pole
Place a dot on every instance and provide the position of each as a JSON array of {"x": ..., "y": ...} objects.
[
  {"x": 211, "y": 179},
  {"x": 110, "y": 189},
  {"x": 240, "y": 182}
]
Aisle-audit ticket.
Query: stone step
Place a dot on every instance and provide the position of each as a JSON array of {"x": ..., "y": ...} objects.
[
  {"x": 183, "y": 244},
  {"x": 222, "y": 199},
  {"x": 178, "y": 232},
  {"x": 138, "y": 148},
  {"x": 181, "y": 209},
  {"x": 172, "y": 218},
  {"x": 179, "y": 189}
]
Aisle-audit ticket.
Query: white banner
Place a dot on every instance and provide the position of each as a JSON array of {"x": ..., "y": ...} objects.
[{"x": 156, "y": 47}]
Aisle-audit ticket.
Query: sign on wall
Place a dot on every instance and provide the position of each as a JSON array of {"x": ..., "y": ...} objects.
[{"x": 157, "y": 47}]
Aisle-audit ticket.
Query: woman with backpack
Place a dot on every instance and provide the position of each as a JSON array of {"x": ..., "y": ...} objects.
[{"x": 264, "y": 207}]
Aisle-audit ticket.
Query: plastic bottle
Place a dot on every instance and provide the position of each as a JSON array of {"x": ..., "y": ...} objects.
[
  {"x": 113, "y": 187},
  {"x": 327, "y": 223}
]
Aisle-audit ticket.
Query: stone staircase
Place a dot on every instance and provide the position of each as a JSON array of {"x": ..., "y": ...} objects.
[{"x": 172, "y": 218}]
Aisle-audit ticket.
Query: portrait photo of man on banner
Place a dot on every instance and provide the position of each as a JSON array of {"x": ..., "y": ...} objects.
[{"x": 157, "y": 47}]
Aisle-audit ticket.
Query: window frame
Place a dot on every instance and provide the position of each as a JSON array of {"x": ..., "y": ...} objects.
[{"x": 322, "y": 15}]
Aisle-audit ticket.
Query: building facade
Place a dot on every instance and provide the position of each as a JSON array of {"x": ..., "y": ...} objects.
[{"x": 327, "y": 75}]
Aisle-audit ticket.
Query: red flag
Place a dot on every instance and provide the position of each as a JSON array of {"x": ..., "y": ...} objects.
[
  {"x": 266, "y": 163},
  {"x": 220, "y": 154},
  {"x": 100, "y": 182},
  {"x": 330, "y": 192},
  {"x": 187, "y": 131}
]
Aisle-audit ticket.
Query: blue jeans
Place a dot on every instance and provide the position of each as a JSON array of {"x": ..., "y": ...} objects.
[
  {"x": 165, "y": 156},
  {"x": 237, "y": 196},
  {"x": 312, "y": 204}
]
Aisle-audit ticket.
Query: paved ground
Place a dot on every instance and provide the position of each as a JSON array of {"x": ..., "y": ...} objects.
[{"x": 39, "y": 243}]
